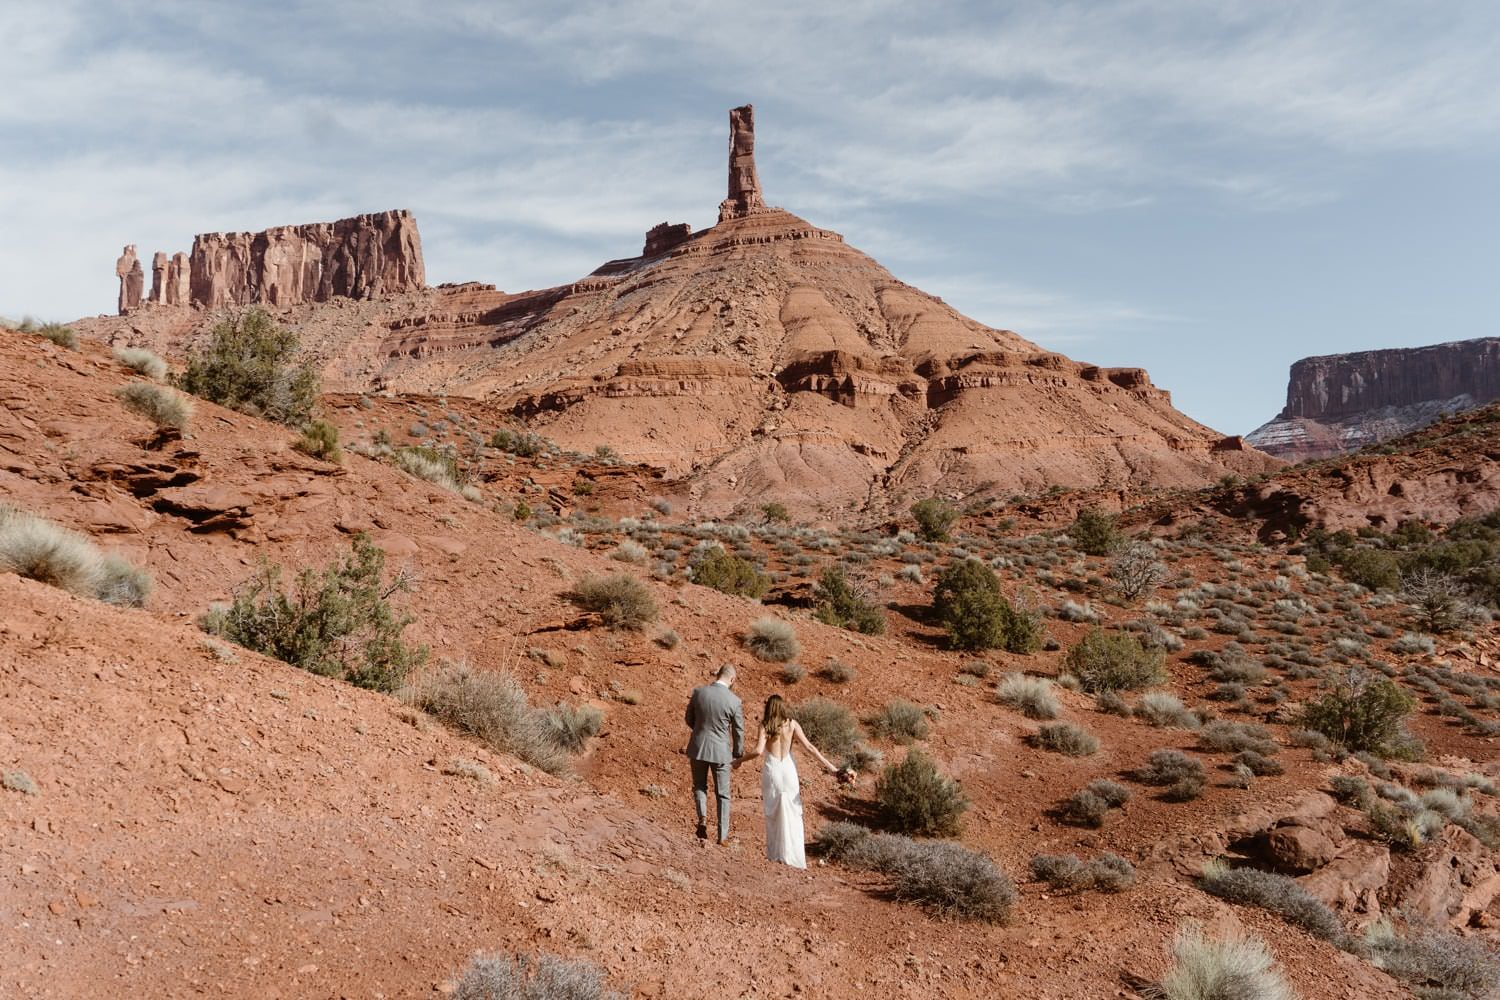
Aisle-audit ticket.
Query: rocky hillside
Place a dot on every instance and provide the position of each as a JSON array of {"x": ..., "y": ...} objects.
[
  {"x": 1343, "y": 402},
  {"x": 760, "y": 359}
]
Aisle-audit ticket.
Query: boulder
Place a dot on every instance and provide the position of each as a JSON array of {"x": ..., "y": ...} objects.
[
  {"x": 1297, "y": 850},
  {"x": 1351, "y": 882}
]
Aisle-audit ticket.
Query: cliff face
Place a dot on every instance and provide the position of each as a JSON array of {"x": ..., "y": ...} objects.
[{"x": 1343, "y": 402}]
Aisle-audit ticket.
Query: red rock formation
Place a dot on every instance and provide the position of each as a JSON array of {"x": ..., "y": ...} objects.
[
  {"x": 158, "y": 278},
  {"x": 664, "y": 236},
  {"x": 1343, "y": 402},
  {"x": 178, "y": 272},
  {"x": 744, "y": 185},
  {"x": 132, "y": 279},
  {"x": 364, "y": 257}
]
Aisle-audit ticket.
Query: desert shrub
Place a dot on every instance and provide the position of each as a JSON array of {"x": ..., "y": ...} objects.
[
  {"x": 570, "y": 726},
  {"x": 1258, "y": 764},
  {"x": 1112, "y": 661},
  {"x": 1031, "y": 695},
  {"x": 844, "y": 604},
  {"x": 157, "y": 403},
  {"x": 619, "y": 599},
  {"x": 1067, "y": 873},
  {"x": 968, "y": 601},
  {"x": 791, "y": 673},
  {"x": 337, "y": 622},
  {"x": 828, "y": 725},
  {"x": 771, "y": 640},
  {"x": 1066, "y": 738},
  {"x": 1232, "y": 737},
  {"x": 37, "y": 549},
  {"x": 1095, "y": 532},
  {"x": 934, "y": 519},
  {"x": 1182, "y": 775},
  {"x": 1137, "y": 572},
  {"x": 62, "y": 336},
  {"x": 900, "y": 721},
  {"x": 142, "y": 362},
  {"x": 1362, "y": 712},
  {"x": 492, "y": 707},
  {"x": 320, "y": 439},
  {"x": 1084, "y": 808},
  {"x": 1439, "y": 599},
  {"x": 837, "y": 672},
  {"x": 1351, "y": 790},
  {"x": 1227, "y": 969},
  {"x": 729, "y": 574},
  {"x": 1434, "y": 962},
  {"x": 1412, "y": 642},
  {"x": 522, "y": 443},
  {"x": 249, "y": 364},
  {"x": 1371, "y": 568},
  {"x": 1235, "y": 667},
  {"x": 630, "y": 551},
  {"x": 1162, "y": 709},
  {"x": 913, "y": 797},
  {"x": 1281, "y": 895},
  {"x": 435, "y": 466},
  {"x": 950, "y": 879},
  {"x": 18, "y": 781},
  {"x": 1111, "y": 703},
  {"x": 531, "y": 977}
]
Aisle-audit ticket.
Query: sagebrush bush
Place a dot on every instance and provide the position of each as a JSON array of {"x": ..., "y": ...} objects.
[
  {"x": 1113, "y": 661},
  {"x": 828, "y": 725},
  {"x": 913, "y": 797},
  {"x": 620, "y": 600},
  {"x": 772, "y": 640},
  {"x": 1162, "y": 709},
  {"x": 1031, "y": 695},
  {"x": 1084, "y": 808},
  {"x": 320, "y": 439},
  {"x": 337, "y": 622},
  {"x": 62, "y": 336},
  {"x": 40, "y": 550},
  {"x": 1232, "y": 737},
  {"x": 1183, "y": 776},
  {"x": 1225, "y": 969},
  {"x": 571, "y": 726},
  {"x": 1258, "y": 764},
  {"x": 531, "y": 977},
  {"x": 899, "y": 721},
  {"x": 951, "y": 879},
  {"x": 968, "y": 602},
  {"x": 1068, "y": 873},
  {"x": 157, "y": 403},
  {"x": 249, "y": 364},
  {"x": 1066, "y": 738},
  {"x": 436, "y": 467},
  {"x": 839, "y": 602},
  {"x": 837, "y": 672},
  {"x": 142, "y": 362},
  {"x": 1283, "y": 896},
  {"x": 1362, "y": 712},
  {"x": 525, "y": 444},
  {"x": 729, "y": 574},
  {"x": 1435, "y": 962},
  {"x": 493, "y": 708}
]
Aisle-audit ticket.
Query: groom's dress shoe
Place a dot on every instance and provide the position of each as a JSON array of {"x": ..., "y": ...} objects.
[{"x": 702, "y": 831}]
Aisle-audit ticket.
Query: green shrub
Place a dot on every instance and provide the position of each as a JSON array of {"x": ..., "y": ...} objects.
[
  {"x": 828, "y": 725},
  {"x": 1114, "y": 661},
  {"x": 157, "y": 403},
  {"x": 1066, "y": 738},
  {"x": 491, "y": 707},
  {"x": 730, "y": 574},
  {"x": 619, "y": 599},
  {"x": 526, "y": 977},
  {"x": 1094, "y": 532},
  {"x": 62, "y": 336},
  {"x": 842, "y": 604},
  {"x": 900, "y": 721},
  {"x": 934, "y": 519},
  {"x": 1371, "y": 568},
  {"x": 775, "y": 513},
  {"x": 1362, "y": 712},
  {"x": 1229, "y": 969},
  {"x": 337, "y": 622},
  {"x": 320, "y": 439},
  {"x": 772, "y": 640},
  {"x": 1277, "y": 893},
  {"x": 913, "y": 797},
  {"x": 40, "y": 550},
  {"x": 142, "y": 362},
  {"x": 968, "y": 601},
  {"x": 249, "y": 365}
]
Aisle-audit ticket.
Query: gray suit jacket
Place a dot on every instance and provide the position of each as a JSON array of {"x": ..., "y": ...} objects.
[{"x": 717, "y": 718}]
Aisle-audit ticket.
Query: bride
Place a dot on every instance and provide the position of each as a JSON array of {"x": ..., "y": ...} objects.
[{"x": 781, "y": 793}]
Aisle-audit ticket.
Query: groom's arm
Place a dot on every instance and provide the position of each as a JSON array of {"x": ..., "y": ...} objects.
[{"x": 737, "y": 720}]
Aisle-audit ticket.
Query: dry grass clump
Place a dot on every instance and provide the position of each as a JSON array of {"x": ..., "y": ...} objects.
[
  {"x": 900, "y": 721},
  {"x": 1066, "y": 738},
  {"x": 159, "y": 404},
  {"x": 571, "y": 725},
  {"x": 772, "y": 640},
  {"x": 1227, "y": 969},
  {"x": 952, "y": 880},
  {"x": 320, "y": 439},
  {"x": 142, "y": 362},
  {"x": 62, "y": 336},
  {"x": 913, "y": 797},
  {"x": 837, "y": 672},
  {"x": 619, "y": 599},
  {"x": 531, "y": 977},
  {"x": 1032, "y": 696},
  {"x": 1067, "y": 873},
  {"x": 40, "y": 550},
  {"x": 1281, "y": 895},
  {"x": 492, "y": 707},
  {"x": 1162, "y": 709},
  {"x": 429, "y": 464},
  {"x": 828, "y": 725}
]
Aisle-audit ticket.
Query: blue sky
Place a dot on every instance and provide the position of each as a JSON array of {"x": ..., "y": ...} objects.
[{"x": 1210, "y": 190}]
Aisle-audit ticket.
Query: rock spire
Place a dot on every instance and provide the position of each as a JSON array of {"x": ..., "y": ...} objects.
[
  {"x": 744, "y": 186},
  {"x": 132, "y": 279}
]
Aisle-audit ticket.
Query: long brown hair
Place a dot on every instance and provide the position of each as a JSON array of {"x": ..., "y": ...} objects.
[{"x": 775, "y": 715}]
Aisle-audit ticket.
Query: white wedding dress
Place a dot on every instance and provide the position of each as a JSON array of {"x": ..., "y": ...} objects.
[{"x": 781, "y": 800}]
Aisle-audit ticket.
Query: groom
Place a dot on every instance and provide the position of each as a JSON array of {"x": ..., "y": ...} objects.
[{"x": 717, "y": 719}]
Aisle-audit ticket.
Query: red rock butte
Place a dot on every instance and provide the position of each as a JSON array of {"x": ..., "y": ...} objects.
[{"x": 762, "y": 357}]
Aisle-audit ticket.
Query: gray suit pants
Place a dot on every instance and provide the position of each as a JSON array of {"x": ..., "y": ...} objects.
[{"x": 721, "y": 772}]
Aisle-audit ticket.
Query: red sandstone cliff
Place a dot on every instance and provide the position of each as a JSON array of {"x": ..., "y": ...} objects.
[{"x": 1343, "y": 402}]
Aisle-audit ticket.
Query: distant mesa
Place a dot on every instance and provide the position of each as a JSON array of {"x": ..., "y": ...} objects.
[
  {"x": 1340, "y": 403},
  {"x": 363, "y": 257}
]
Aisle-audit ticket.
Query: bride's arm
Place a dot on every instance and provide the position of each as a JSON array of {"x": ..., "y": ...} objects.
[
  {"x": 801, "y": 737},
  {"x": 760, "y": 748}
]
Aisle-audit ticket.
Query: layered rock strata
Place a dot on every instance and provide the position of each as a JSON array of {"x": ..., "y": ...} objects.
[{"x": 1343, "y": 402}]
